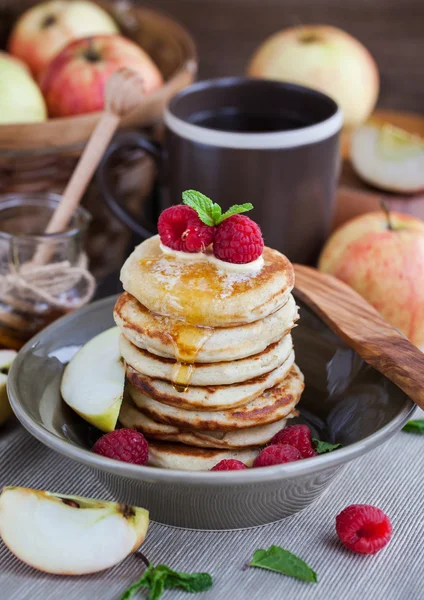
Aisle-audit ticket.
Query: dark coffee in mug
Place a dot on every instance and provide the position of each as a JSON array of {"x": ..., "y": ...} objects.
[
  {"x": 239, "y": 140},
  {"x": 233, "y": 119}
]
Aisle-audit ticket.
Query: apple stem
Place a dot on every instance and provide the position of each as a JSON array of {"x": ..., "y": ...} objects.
[
  {"x": 141, "y": 556},
  {"x": 91, "y": 53},
  {"x": 385, "y": 208}
]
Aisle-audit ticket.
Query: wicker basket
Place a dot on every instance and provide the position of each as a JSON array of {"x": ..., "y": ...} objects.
[{"x": 41, "y": 156}]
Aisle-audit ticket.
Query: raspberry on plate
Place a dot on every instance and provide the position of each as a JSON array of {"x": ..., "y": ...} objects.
[
  {"x": 127, "y": 445},
  {"x": 298, "y": 436},
  {"x": 238, "y": 239},
  {"x": 277, "y": 454},
  {"x": 230, "y": 464},
  {"x": 181, "y": 229},
  {"x": 363, "y": 528}
]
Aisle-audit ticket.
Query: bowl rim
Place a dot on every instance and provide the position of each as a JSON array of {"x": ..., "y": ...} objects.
[{"x": 307, "y": 466}]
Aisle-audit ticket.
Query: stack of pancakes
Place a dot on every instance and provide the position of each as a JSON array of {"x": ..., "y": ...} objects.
[{"x": 208, "y": 353}]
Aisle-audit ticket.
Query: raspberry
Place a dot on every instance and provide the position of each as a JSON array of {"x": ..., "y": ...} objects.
[
  {"x": 298, "y": 436},
  {"x": 181, "y": 229},
  {"x": 229, "y": 465},
  {"x": 126, "y": 445},
  {"x": 363, "y": 528},
  {"x": 238, "y": 239},
  {"x": 277, "y": 454}
]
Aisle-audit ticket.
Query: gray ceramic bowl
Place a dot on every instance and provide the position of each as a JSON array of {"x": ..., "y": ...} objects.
[{"x": 345, "y": 401}]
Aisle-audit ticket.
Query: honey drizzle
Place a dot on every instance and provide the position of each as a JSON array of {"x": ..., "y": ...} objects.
[
  {"x": 188, "y": 287},
  {"x": 187, "y": 340}
]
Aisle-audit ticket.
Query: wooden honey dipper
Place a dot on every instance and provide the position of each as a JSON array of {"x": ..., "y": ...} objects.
[
  {"x": 38, "y": 280},
  {"x": 124, "y": 90}
]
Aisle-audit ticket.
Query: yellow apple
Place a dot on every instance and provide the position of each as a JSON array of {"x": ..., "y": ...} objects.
[
  {"x": 21, "y": 100},
  {"x": 382, "y": 257},
  {"x": 324, "y": 58},
  {"x": 74, "y": 82},
  {"x": 43, "y": 30}
]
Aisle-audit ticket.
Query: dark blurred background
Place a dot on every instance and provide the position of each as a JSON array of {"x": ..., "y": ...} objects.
[{"x": 228, "y": 31}]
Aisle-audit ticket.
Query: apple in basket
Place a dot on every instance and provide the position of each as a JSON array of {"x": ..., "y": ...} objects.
[
  {"x": 21, "y": 100},
  {"x": 75, "y": 80},
  {"x": 43, "y": 30}
]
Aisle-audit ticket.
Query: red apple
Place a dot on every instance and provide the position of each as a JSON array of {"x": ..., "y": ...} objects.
[
  {"x": 74, "y": 82},
  {"x": 326, "y": 59},
  {"x": 43, "y": 30},
  {"x": 382, "y": 258}
]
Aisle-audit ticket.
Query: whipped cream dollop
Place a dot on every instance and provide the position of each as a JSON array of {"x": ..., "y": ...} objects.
[{"x": 252, "y": 267}]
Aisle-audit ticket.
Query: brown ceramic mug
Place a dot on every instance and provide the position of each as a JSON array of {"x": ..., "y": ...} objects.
[{"x": 238, "y": 140}]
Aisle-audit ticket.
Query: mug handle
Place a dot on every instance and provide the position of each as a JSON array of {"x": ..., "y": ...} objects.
[{"x": 129, "y": 139}]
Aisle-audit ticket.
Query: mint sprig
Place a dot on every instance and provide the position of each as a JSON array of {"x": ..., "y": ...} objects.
[
  {"x": 416, "y": 426},
  {"x": 161, "y": 578},
  {"x": 322, "y": 447},
  {"x": 209, "y": 212},
  {"x": 282, "y": 561}
]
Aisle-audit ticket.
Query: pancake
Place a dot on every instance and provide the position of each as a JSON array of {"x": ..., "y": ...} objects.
[
  {"x": 273, "y": 405},
  {"x": 133, "y": 418},
  {"x": 218, "y": 397},
  {"x": 188, "y": 458},
  {"x": 178, "y": 340},
  {"x": 204, "y": 374},
  {"x": 200, "y": 292}
]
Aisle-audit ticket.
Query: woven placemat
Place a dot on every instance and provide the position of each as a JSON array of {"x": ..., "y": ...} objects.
[{"x": 391, "y": 477}]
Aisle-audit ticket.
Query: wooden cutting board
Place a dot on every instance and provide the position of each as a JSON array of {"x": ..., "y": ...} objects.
[{"x": 355, "y": 197}]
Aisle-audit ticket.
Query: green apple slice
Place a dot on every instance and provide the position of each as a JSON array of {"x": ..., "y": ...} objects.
[
  {"x": 388, "y": 157},
  {"x": 69, "y": 535},
  {"x": 93, "y": 381},
  {"x": 6, "y": 359}
]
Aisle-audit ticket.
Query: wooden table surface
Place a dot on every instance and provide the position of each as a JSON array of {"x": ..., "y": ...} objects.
[{"x": 228, "y": 31}]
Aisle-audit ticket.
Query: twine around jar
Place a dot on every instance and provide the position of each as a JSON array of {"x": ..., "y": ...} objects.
[{"x": 34, "y": 285}]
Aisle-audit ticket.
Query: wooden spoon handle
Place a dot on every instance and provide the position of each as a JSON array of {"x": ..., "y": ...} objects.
[
  {"x": 362, "y": 328},
  {"x": 80, "y": 178},
  {"x": 84, "y": 171}
]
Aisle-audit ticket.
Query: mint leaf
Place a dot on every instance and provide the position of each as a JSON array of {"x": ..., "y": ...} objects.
[
  {"x": 416, "y": 426},
  {"x": 160, "y": 578},
  {"x": 216, "y": 213},
  {"x": 234, "y": 210},
  {"x": 282, "y": 561},
  {"x": 190, "y": 582},
  {"x": 323, "y": 447},
  {"x": 157, "y": 583},
  {"x": 207, "y": 210},
  {"x": 144, "y": 581}
]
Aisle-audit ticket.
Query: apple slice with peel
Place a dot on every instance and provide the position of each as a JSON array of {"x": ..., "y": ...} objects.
[
  {"x": 93, "y": 381},
  {"x": 69, "y": 535},
  {"x": 388, "y": 157},
  {"x": 6, "y": 359}
]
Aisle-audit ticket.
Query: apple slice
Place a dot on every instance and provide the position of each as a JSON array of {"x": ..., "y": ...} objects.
[
  {"x": 69, "y": 535},
  {"x": 388, "y": 157},
  {"x": 93, "y": 382},
  {"x": 6, "y": 359}
]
